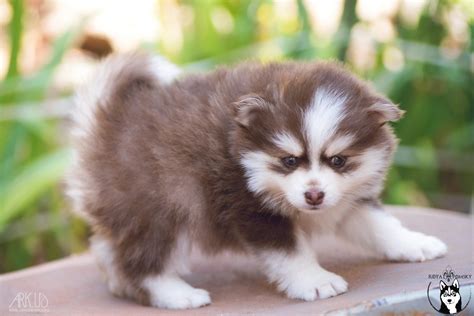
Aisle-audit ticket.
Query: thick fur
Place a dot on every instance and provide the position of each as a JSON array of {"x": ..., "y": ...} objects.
[{"x": 164, "y": 164}]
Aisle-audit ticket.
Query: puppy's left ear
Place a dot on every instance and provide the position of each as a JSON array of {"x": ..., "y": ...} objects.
[
  {"x": 248, "y": 108},
  {"x": 385, "y": 111}
]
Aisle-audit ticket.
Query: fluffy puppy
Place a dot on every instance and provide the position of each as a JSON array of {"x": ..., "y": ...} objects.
[{"x": 258, "y": 159}]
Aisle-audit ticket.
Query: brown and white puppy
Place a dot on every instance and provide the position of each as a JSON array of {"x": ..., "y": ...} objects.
[{"x": 257, "y": 159}]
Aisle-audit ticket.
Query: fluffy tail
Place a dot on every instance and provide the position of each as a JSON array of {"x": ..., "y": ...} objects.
[{"x": 114, "y": 75}]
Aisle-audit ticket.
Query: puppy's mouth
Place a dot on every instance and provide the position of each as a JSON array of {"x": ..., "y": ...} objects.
[
  {"x": 312, "y": 209},
  {"x": 316, "y": 209}
]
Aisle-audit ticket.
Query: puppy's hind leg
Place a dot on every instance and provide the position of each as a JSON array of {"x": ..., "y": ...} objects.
[
  {"x": 105, "y": 255},
  {"x": 168, "y": 290},
  {"x": 135, "y": 272}
]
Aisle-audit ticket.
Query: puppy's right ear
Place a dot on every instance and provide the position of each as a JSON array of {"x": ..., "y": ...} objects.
[
  {"x": 442, "y": 285},
  {"x": 248, "y": 107},
  {"x": 386, "y": 111}
]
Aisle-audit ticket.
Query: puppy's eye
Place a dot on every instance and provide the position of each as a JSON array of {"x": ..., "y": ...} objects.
[
  {"x": 337, "y": 161},
  {"x": 290, "y": 161}
]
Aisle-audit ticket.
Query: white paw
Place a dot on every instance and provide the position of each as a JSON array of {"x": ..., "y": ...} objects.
[
  {"x": 174, "y": 293},
  {"x": 321, "y": 285},
  {"x": 183, "y": 299},
  {"x": 416, "y": 247}
]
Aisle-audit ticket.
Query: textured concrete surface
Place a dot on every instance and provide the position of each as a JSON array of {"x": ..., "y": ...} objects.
[{"x": 74, "y": 286}]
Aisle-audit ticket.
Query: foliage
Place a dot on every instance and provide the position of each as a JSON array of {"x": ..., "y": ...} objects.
[{"x": 433, "y": 167}]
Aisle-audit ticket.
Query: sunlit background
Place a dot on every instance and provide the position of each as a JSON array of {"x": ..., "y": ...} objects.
[{"x": 418, "y": 52}]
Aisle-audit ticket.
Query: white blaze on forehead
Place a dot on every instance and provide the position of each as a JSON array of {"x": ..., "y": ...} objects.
[
  {"x": 339, "y": 144},
  {"x": 288, "y": 143},
  {"x": 322, "y": 118}
]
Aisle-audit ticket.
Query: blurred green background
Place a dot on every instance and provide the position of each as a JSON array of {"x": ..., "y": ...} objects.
[{"x": 418, "y": 52}]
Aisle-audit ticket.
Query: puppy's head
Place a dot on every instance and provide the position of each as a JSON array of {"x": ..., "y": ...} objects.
[{"x": 314, "y": 136}]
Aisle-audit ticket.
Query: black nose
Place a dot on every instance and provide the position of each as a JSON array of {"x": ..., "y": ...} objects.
[
  {"x": 449, "y": 300},
  {"x": 314, "y": 197}
]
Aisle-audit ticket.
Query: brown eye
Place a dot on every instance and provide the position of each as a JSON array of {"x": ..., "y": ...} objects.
[
  {"x": 337, "y": 161},
  {"x": 290, "y": 161}
]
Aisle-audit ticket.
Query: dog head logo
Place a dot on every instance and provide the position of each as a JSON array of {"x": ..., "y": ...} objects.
[{"x": 450, "y": 297}]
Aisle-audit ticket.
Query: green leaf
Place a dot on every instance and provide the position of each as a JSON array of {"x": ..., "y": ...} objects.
[
  {"x": 21, "y": 89},
  {"x": 36, "y": 178},
  {"x": 15, "y": 36}
]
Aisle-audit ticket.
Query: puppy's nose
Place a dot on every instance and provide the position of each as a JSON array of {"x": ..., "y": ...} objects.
[
  {"x": 449, "y": 300},
  {"x": 314, "y": 197}
]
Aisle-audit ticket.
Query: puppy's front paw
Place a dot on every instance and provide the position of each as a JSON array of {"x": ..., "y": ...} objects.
[
  {"x": 416, "y": 247},
  {"x": 320, "y": 285}
]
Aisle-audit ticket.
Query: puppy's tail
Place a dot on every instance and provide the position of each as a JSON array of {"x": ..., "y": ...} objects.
[{"x": 115, "y": 76}]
